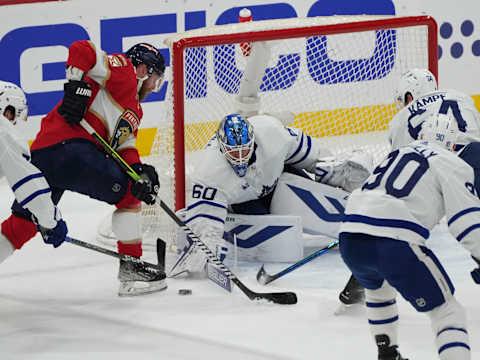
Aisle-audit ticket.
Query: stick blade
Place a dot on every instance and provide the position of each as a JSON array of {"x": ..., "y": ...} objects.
[
  {"x": 282, "y": 298},
  {"x": 262, "y": 276},
  {"x": 161, "y": 249}
]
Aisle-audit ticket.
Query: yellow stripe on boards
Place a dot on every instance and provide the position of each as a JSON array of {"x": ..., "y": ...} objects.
[
  {"x": 145, "y": 138},
  {"x": 322, "y": 123},
  {"x": 354, "y": 120}
]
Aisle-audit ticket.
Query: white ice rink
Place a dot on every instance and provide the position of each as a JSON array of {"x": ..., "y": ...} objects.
[{"x": 62, "y": 304}]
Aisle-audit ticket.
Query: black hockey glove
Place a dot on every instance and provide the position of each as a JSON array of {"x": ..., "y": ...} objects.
[
  {"x": 55, "y": 236},
  {"x": 147, "y": 188},
  {"x": 476, "y": 273},
  {"x": 75, "y": 100}
]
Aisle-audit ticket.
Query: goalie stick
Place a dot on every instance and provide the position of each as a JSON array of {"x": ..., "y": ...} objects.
[
  {"x": 286, "y": 298},
  {"x": 264, "y": 279}
]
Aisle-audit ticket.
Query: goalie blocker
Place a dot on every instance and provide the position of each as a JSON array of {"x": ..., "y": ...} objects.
[{"x": 298, "y": 205}]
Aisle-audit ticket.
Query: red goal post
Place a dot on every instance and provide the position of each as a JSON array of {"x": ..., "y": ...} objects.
[{"x": 333, "y": 77}]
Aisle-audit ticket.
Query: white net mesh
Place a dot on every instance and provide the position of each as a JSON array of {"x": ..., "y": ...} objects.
[{"x": 338, "y": 87}]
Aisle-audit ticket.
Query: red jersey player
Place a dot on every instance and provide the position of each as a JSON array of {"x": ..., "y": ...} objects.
[{"x": 106, "y": 91}]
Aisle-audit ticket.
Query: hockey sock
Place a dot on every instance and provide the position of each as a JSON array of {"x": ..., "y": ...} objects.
[
  {"x": 18, "y": 230},
  {"x": 450, "y": 331},
  {"x": 130, "y": 249},
  {"x": 382, "y": 312}
]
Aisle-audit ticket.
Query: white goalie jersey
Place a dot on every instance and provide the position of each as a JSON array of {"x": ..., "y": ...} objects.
[
  {"x": 27, "y": 182},
  {"x": 216, "y": 186},
  {"x": 416, "y": 186},
  {"x": 406, "y": 125}
]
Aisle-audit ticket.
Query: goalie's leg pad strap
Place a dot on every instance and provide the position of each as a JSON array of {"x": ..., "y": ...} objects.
[{"x": 18, "y": 230}]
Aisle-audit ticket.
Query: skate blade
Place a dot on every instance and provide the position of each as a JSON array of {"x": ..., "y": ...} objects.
[{"x": 136, "y": 288}]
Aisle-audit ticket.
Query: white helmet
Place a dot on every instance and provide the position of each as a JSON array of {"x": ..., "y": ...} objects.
[
  {"x": 441, "y": 129},
  {"x": 417, "y": 82},
  {"x": 13, "y": 98}
]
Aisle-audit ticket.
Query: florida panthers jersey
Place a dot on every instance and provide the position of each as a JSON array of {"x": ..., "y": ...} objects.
[
  {"x": 406, "y": 125},
  {"x": 114, "y": 109},
  {"x": 410, "y": 191},
  {"x": 27, "y": 182},
  {"x": 215, "y": 184}
]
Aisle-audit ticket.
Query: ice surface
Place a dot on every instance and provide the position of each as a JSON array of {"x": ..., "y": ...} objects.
[{"x": 62, "y": 304}]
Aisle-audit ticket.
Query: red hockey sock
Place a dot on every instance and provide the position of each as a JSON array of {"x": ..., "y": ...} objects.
[
  {"x": 130, "y": 249},
  {"x": 18, "y": 230}
]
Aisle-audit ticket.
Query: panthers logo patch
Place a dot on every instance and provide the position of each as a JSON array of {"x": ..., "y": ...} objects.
[
  {"x": 116, "y": 61},
  {"x": 127, "y": 124}
]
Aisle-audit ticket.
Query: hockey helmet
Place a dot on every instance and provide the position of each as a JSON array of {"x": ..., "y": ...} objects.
[
  {"x": 149, "y": 55},
  {"x": 416, "y": 82},
  {"x": 236, "y": 141},
  {"x": 12, "y": 98},
  {"x": 440, "y": 129}
]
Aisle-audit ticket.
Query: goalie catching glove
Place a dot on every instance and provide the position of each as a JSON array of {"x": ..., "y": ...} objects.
[
  {"x": 347, "y": 170},
  {"x": 75, "y": 101},
  {"x": 147, "y": 188}
]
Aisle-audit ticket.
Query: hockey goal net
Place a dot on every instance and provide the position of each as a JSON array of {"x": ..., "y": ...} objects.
[{"x": 334, "y": 77}]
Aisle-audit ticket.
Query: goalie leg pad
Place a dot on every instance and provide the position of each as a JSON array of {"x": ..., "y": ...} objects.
[
  {"x": 320, "y": 206},
  {"x": 266, "y": 238}
]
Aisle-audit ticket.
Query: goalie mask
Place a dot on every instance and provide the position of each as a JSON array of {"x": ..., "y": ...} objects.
[
  {"x": 440, "y": 129},
  {"x": 236, "y": 139},
  {"x": 416, "y": 82},
  {"x": 13, "y": 104}
]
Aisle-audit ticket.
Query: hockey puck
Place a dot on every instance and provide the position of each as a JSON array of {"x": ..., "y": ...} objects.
[{"x": 184, "y": 292}]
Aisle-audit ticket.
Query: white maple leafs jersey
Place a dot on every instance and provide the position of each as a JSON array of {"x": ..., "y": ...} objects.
[
  {"x": 406, "y": 125},
  {"x": 27, "y": 182},
  {"x": 410, "y": 191},
  {"x": 216, "y": 186}
]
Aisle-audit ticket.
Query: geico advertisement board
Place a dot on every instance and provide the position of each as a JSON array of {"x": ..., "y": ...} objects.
[{"x": 34, "y": 50}]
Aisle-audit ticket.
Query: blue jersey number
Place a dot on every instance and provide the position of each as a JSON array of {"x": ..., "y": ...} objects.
[
  {"x": 417, "y": 160},
  {"x": 452, "y": 104}
]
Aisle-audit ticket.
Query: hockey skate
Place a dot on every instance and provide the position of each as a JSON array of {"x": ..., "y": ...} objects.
[
  {"x": 136, "y": 278},
  {"x": 353, "y": 293},
  {"x": 385, "y": 351}
]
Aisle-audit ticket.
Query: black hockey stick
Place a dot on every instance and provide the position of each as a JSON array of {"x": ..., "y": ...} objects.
[
  {"x": 264, "y": 278},
  {"x": 160, "y": 253},
  {"x": 278, "y": 298}
]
